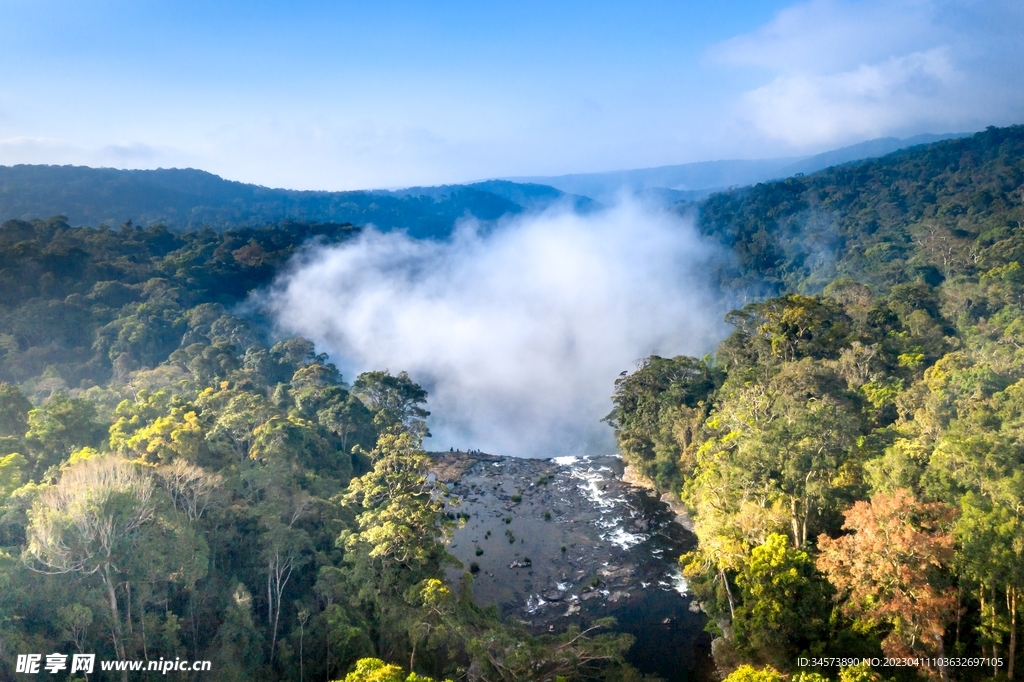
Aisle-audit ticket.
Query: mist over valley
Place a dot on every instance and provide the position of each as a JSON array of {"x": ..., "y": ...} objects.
[{"x": 519, "y": 329}]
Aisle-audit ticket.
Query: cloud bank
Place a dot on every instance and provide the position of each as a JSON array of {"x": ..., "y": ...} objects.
[
  {"x": 517, "y": 332},
  {"x": 839, "y": 71}
]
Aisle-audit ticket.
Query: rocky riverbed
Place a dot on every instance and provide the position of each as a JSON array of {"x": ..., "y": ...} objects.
[{"x": 552, "y": 542}]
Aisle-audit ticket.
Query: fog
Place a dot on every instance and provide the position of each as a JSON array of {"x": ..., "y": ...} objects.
[{"x": 518, "y": 330}]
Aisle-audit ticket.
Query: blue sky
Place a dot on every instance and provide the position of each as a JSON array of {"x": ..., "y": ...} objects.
[{"x": 337, "y": 95}]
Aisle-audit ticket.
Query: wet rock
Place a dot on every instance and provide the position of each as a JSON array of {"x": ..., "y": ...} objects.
[
  {"x": 613, "y": 573},
  {"x": 602, "y": 533}
]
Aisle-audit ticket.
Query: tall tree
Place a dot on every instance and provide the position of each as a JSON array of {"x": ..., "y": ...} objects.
[
  {"x": 889, "y": 569},
  {"x": 90, "y": 523},
  {"x": 396, "y": 401}
]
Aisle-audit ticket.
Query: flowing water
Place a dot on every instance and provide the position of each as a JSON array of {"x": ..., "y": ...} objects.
[{"x": 566, "y": 541}]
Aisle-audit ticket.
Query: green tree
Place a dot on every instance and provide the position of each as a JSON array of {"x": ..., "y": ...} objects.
[
  {"x": 785, "y": 606},
  {"x": 400, "y": 525},
  {"x": 978, "y": 465},
  {"x": 395, "y": 401},
  {"x": 784, "y": 437},
  {"x": 158, "y": 428},
  {"x": 285, "y": 548},
  {"x": 658, "y": 411},
  {"x": 401, "y": 522},
  {"x": 239, "y": 644},
  {"x": 748, "y": 673},
  {"x": 787, "y": 328},
  {"x": 14, "y": 409},
  {"x": 349, "y": 419},
  {"x": 12, "y": 471},
  {"x": 238, "y": 415},
  {"x": 58, "y": 427},
  {"x": 376, "y": 670}
]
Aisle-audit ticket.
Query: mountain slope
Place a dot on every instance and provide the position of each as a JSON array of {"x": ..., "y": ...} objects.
[
  {"x": 930, "y": 212},
  {"x": 695, "y": 181},
  {"x": 865, "y": 150},
  {"x": 691, "y": 177}
]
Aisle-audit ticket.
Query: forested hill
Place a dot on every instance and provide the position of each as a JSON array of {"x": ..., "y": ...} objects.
[
  {"x": 190, "y": 199},
  {"x": 852, "y": 456},
  {"x": 931, "y": 212},
  {"x": 78, "y": 302}
]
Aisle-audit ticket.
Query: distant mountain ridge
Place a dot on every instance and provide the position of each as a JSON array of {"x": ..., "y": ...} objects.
[
  {"x": 695, "y": 181},
  {"x": 190, "y": 199}
]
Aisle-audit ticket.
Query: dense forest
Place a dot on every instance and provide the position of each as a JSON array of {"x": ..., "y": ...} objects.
[
  {"x": 174, "y": 485},
  {"x": 852, "y": 455},
  {"x": 177, "y": 484}
]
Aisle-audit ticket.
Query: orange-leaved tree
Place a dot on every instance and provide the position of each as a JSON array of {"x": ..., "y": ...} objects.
[{"x": 889, "y": 569}]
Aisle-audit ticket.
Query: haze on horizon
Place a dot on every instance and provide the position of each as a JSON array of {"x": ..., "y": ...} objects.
[{"x": 321, "y": 95}]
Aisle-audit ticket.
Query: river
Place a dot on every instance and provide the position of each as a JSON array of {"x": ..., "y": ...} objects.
[{"x": 554, "y": 542}]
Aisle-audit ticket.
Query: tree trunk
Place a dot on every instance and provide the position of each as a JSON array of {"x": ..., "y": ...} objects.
[
  {"x": 192, "y": 617},
  {"x": 981, "y": 599},
  {"x": 794, "y": 521},
  {"x": 803, "y": 527},
  {"x": 1013, "y": 631},
  {"x": 128, "y": 604},
  {"x": 142, "y": 627},
  {"x": 728, "y": 594},
  {"x": 115, "y": 613},
  {"x": 959, "y": 598},
  {"x": 942, "y": 658},
  {"x": 272, "y": 612},
  {"x": 273, "y": 640},
  {"x": 281, "y": 575},
  {"x": 995, "y": 629}
]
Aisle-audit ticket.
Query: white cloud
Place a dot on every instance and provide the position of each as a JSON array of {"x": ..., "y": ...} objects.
[
  {"x": 130, "y": 153},
  {"x": 29, "y": 149},
  {"x": 842, "y": 71},
  {"x": 824, "y": 36},
  {"x": 518, "y": 333},
  {"x": 870, "y": 101},
  {"x": 48, "y": 150}
]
